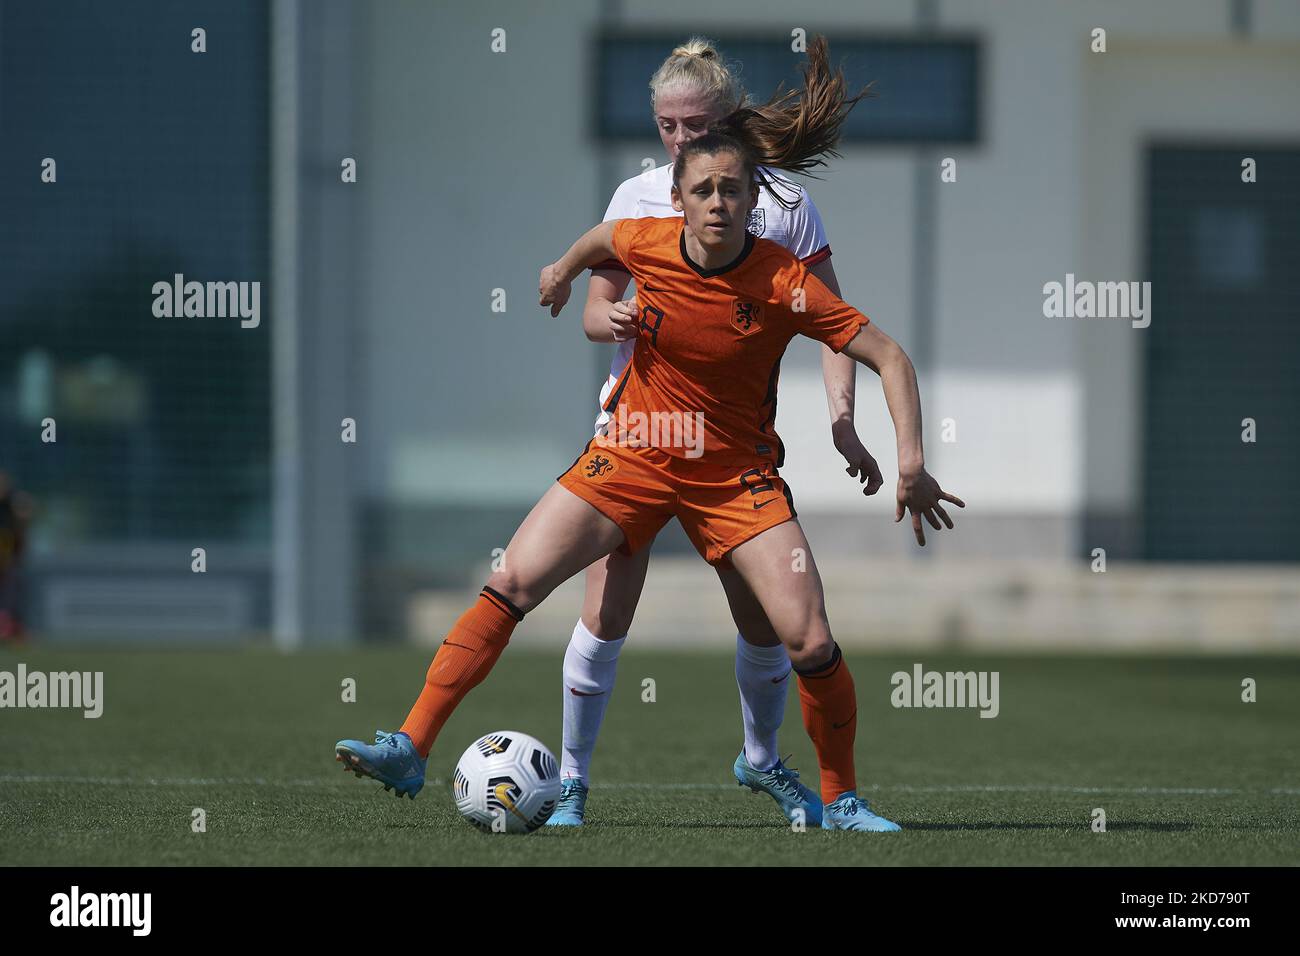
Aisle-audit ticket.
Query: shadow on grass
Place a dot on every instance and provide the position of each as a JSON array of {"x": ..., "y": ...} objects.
[
  {"x": 914, "y": 826},
  {"x": 1139, "y": 825},
  {"x": 671, "y": 825}
]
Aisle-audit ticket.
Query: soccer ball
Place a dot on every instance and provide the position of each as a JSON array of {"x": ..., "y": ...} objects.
[{"x": 506, "y": 782}]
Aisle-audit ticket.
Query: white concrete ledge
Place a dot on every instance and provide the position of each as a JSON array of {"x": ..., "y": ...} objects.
[{"x": 987, "y": 606}]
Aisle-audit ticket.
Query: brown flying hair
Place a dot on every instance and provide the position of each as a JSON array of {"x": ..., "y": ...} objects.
[{"x": 792, "y": 131}]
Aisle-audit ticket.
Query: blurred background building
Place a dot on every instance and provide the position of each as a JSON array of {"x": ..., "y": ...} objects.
[{"x": 486, "y": 138}]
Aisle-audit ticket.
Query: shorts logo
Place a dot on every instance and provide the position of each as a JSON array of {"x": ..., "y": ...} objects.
[
  {"x": 598, "y": 466},
  {"x": 756, "y": 224},
  {"x": 757, "y": 482},
  {"x": 746, "y": 316}
]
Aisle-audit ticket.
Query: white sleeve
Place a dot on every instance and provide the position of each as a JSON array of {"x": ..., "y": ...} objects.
[
  {"x": 807, "y": 235},
  {"x": 622, "y": 205}
]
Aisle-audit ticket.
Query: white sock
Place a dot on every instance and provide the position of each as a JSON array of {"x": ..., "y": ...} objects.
[
  {"x": 589, "y": 665},
  {"x": 762, "y": 674}
]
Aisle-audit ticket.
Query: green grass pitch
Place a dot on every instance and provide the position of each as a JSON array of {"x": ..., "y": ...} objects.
[{"x": 1186, "y": 772}]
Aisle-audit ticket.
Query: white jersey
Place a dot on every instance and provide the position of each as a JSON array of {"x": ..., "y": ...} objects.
[{"x": 799, "y": 229}]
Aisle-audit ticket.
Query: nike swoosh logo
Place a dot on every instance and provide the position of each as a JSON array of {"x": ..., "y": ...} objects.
[
  {"x": 578, "y": 693},
  {"x": 777, "y": 680},
  {"x": 503, "y": 794},
  {"x": 765, "y": 503},
  {"x": 650, "y": 288},
  {"x": 847, "y": 722}
]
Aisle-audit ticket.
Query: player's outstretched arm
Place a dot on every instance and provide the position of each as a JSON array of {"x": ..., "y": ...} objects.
[
  {"x": 593, "y": 246},
  {"x": 839, "y": 374},
  {"x": 918, "y": 492}
]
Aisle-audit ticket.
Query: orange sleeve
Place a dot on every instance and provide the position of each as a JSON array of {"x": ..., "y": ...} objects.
[
  {"x": 824, "y": 316},
  {"x": 624, "y": 238}
]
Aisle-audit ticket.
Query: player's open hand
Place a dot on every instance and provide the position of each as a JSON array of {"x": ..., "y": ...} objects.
[
  {"x": 921, "y": 494},
  {"x": 861, "y": 465},
  {"x": 623, "y": 320},
  {"x": 554, "y": 288}
]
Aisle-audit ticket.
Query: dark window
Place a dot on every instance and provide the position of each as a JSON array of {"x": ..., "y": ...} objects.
[
  {"x": 162, "y": 164},
  {"x": 927, "y": 89}
]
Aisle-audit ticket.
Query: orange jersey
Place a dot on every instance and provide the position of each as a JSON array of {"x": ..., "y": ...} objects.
[{"x": 702, "y": 380}]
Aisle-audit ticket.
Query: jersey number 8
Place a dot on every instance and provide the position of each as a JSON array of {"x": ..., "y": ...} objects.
[{"x": 647, "y": 312}]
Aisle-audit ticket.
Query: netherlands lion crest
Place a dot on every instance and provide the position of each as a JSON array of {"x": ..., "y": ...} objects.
[
  {"x": 598, "y": 466},
  {"x": 746, "y": 316}
]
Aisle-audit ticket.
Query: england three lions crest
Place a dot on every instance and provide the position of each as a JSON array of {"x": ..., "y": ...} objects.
[
  {"x": 756, "y": 224},
  {"x": 746, "y": 316}
]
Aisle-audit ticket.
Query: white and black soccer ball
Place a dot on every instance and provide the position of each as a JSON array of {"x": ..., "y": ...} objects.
[{"x": 507, "y": 782}]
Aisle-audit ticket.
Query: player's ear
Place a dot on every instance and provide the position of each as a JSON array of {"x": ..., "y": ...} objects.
[{"x": 676, "y": 196}]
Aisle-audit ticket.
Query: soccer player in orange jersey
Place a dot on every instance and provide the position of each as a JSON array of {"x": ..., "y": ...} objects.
[
  {"x": 691, "y": 436},
  {"x": 693, "y": 89}
]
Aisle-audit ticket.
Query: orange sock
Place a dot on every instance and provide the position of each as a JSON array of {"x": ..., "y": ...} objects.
[
  {"x": 830, "y": 715},
  {"x": 463, "y": 660}
]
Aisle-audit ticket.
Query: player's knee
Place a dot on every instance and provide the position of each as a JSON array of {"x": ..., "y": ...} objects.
[
  {"x": 609, "y": 603},
  {"x": 516, "y": 588},
  {"x": 610, "y": 620},
  {"x": 756, "y": 629},
  {"x": 812, "y": 647}
]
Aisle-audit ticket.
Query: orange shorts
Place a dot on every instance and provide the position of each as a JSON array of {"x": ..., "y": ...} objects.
[{"x": 640, "y": 489}]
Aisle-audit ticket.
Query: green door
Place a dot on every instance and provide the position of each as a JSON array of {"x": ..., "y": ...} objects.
[{"x": 1223, "y": 346}]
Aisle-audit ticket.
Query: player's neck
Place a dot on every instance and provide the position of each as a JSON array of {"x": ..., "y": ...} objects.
[{"x": 713, "y": 256}]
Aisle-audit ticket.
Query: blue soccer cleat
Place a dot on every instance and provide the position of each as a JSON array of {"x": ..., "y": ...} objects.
[
  {"x": 782, "y": 785},
  {"x": 392, "y": 760},
  {"x": 850, "y": 813},
  {"x": 571, "y": 811}
]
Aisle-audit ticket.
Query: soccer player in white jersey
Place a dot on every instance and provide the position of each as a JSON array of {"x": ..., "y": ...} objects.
[{"x": 692, "y": 89}]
